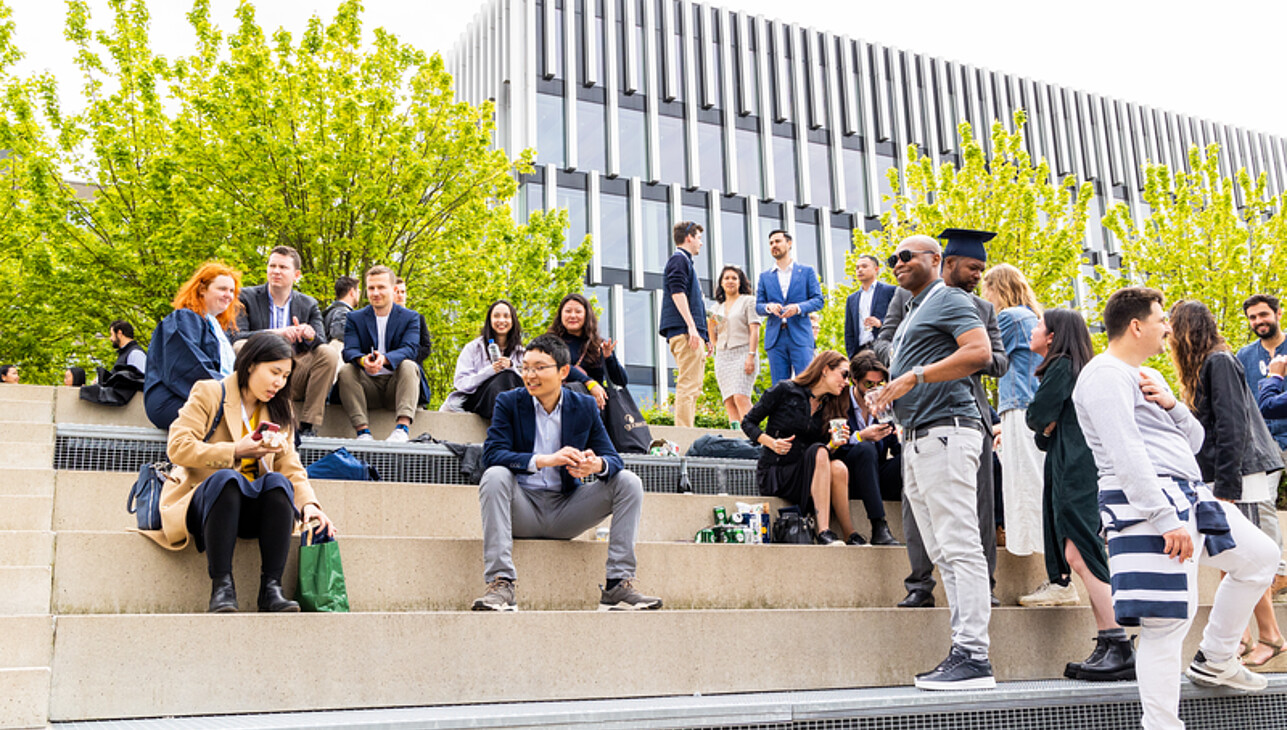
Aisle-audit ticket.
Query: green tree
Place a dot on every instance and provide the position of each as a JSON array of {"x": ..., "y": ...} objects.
[
  {"x": 1040, "y": 225},
  {"x": 353, "y": 155},
  {"x": 1195, "y": 242}
]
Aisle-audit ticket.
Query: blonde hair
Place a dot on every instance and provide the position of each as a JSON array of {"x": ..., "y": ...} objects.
[{"x": 1006, "y": 287}]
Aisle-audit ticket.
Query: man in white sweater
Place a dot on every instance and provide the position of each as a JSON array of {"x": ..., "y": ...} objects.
[{"x": 1159, "y": 516}]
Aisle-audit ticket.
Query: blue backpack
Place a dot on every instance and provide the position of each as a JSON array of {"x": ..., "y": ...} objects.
[{"x": 340, "y": 464}]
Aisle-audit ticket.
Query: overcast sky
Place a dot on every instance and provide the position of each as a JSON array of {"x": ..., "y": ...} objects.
[{"x": 1215, "y": 60}]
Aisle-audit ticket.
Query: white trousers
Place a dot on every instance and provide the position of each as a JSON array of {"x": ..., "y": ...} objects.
[
  {"x": 1158, "y": 663},
  {"x": 1021, "y": 482}
]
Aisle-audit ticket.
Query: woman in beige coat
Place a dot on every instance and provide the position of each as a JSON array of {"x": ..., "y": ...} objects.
[{"x": 233, "y": 484}]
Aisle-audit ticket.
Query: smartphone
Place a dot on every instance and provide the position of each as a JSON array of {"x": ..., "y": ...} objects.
[{"x": 266, "y": 426}]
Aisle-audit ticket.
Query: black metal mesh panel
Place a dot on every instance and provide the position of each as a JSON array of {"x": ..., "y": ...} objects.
[{"x": 414, "y": 463}]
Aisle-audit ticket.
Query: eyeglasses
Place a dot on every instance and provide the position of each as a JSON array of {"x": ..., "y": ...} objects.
[
  {"x": 904, "y": 256},
  {"x": 534, "y": 369},
  {"x": 844, "y": 374}
]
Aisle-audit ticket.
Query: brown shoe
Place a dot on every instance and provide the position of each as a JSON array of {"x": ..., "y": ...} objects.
[{"x": 1000, "y": 536}]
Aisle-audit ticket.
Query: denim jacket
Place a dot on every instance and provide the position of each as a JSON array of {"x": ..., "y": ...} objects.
[{"x": 1016, "y": 387}]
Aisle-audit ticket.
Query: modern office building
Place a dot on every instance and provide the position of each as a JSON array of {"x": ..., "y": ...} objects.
[{"x": 646, "y": 112}]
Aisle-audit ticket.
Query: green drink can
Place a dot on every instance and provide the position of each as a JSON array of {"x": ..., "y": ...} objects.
[
  {"x": 705, "y": 535},
  {"x": 737, "y": 535},
  {"x": 721, "y": 516}
]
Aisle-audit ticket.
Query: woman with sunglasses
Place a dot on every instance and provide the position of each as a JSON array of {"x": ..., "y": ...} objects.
[
  {"x": 872, "y": 454},
  {"x": 734, "y": 328},
  {"x": 1239, "y": 458},
  {"x": 796, "y": 462},
  {"x": 1070, "y": 490}
]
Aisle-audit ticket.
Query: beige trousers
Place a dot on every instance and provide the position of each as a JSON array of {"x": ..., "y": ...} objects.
[
  {"x": 398, "y": 391},
  {"x": 688, "y": 381}
]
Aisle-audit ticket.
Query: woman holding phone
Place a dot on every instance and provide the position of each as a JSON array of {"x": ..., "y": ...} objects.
[{"x": 237, "y": 474}]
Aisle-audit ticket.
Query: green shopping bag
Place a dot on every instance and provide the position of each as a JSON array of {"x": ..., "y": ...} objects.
[{"x": 321, "y": 574}]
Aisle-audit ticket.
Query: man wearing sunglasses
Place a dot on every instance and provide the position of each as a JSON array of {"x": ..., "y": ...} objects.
[
  {"x": 786, "y": 294},
  {"x": 873, "y": 454},
  {"x": 940, "y": 342}
]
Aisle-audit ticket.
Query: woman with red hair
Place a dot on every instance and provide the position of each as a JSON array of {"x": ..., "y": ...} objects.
[{"x": 191, "y": 343}]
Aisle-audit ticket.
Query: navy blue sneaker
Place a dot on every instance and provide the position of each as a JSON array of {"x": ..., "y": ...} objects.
[{"x": 958, "y": 671}]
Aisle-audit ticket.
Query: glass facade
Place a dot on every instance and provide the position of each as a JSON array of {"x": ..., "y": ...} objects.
[{"x": 729, "y": 92}]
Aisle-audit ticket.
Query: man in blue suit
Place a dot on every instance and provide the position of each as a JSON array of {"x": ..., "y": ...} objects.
[
  {"x": 543, "y": 441},
  {"x": 865, "y": 309},
  {"x": 787, "y": 293},
  {"x": 381, "y": 341}
]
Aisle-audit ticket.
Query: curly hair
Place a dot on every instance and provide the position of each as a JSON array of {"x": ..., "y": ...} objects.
[
  {"x": 1194, "y": 337},
  {"x": 191, "y": 291}
]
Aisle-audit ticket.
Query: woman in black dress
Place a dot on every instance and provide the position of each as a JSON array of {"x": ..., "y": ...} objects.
[
  {"x": 796, "y": 463},
  {"x": 1070, "y": 494}
]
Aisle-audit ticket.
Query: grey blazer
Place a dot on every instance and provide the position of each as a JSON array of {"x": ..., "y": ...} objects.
[{"x": 255, "y": 315}]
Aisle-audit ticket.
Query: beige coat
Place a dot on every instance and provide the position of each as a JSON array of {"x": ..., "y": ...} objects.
[{"x": 194, "y": 459}]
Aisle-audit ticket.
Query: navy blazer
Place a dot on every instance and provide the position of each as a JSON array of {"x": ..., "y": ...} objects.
[
  {"x": 402, "y": 338},
  {"x": 512, "y": 434},
  {"x": 183, "y": 350},
  {"x": 880, "y": 299},
  {"x": 804, "y": 291},
  {"x": 256, "y": 315}
]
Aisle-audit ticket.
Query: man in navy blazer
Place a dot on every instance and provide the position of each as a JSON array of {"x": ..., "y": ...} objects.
[
  {"x": 544, "y": 440},
  {"x": 865, "y": 309},
  {"x": 380, "y": 345},
  {"x": 787, "y": 293}
]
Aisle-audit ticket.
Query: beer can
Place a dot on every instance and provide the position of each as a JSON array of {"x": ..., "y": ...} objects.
[
  {"x": 720, "y": 532},
  {"x": 738, "y": 535},
  {"x": 705, "y": 535},
  {"x": 721, "y": 515},
  {"x": 765, "y": 530}
]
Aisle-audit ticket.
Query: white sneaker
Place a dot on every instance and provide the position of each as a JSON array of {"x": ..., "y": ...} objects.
[
  {"x": 1231, "y": 674},
  {"x": 365, "y": 436},
  {"x": 399, "y": 436},
  {"x": 1052, "y": 594}
]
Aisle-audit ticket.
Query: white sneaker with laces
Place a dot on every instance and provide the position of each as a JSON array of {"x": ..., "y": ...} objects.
[
  {"x": 399, "y": 436},
  {"x": 1052, "y": 594},
  {"x": 1231, "y": 674},
  {"x": 365, "y": 436}
]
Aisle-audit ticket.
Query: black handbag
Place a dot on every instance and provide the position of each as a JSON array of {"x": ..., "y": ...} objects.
[
  {"x": 793, "y": 528},
  {"x": 626, "y": 425},
  {"x": 144, "y": 501}
]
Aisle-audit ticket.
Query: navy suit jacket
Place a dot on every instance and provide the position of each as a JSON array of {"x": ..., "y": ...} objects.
[
  {"x": 512, "y": 435},
  {"x": 256, "y": 315},
  {"x": 880, "y": 299},
  {"x": 401, "y": 335},
  {"x": 804, "y": 291}
]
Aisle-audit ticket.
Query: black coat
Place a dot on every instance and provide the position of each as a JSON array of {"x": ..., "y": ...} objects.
[
  {"x": 1237, "y": 440},
  {"x": 256, "y": 315},
  {"x": 786, "y": 406}
]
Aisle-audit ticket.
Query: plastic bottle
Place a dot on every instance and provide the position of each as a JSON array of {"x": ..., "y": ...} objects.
[{"x": 493, "y": 350}]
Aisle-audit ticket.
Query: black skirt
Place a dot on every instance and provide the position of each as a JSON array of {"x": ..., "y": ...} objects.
[
  {"x": 791, "y": 480},
  {"x": 207, "y": 492}
]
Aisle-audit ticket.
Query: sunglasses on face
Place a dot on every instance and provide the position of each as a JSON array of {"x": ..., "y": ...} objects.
[
  {"x": 904, "y": 256},
  {"x": 870, "y": 383}
]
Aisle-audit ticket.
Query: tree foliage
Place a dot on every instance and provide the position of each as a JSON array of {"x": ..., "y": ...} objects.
[
  {"x": 1040, "y": 225},
  {"x": 354, "y": 154}
]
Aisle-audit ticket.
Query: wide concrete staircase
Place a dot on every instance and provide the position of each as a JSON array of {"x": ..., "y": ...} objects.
[{"x": 103, "y": 624}]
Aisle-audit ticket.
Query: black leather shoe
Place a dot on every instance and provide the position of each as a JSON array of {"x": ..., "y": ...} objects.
[
  {"x": 917, "y": 598},
  {"x": 880, "y": 534},
  {"x": 827, "y": 537},
  {"x": 223, "y": 595},
  {"x": 271, "y": 599},
  {"x": 307, "y": 432},
  {"x": 856, "y": 539},
  {"x": 1115, "y": 663}
]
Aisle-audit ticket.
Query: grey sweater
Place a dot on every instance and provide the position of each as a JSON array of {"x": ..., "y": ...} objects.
[{"x": 1135, "y": 441}]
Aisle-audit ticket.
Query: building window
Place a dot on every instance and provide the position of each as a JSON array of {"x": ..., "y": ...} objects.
[
  {"x": 733, "y": 236},
  {"x": 614, "y": 231},
  {"x": 841, "y": 241},
  {"x": 784, "y": 169},
  {"x": 592, "y": 148},
  {"x": 710, "y": 141},
  {"x": 806, "y": 240},
  {"x": 549, "y": 130},
  {"x": 748, "y": 162},
  {"x": 820, "y": 174},
  {"x": 534, "y": 193},
  {"x": 655, "y": 230},
  {"x": 573, "y": 201},
  {"x": 634, "y": 143},
  {"x": 673, "y": 149},
  {"x": 855, "y": 180},
  {"x": 770, "y": 219}
]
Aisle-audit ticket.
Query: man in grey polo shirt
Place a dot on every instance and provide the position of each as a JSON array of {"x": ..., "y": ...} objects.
[{"x": 941, "y": 342}]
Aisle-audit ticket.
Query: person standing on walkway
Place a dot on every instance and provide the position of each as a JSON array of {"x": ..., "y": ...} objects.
[
  {"x": 683, "y": 320},
  {"x": 941, "y": 342},
  {"x": 1161, "y": 519},
  {"x": 865, "y": 309},
  {"x": 735, "y": 332},
  {"x": 786, "y": 294}
]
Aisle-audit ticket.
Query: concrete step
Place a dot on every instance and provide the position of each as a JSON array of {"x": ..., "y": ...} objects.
[
  {"x": 31, "y": 456},
  {"x": 120, "y": 572},
  {"x": 459, "y": 427},
  {"x": 26, "y": 547},
  {"x": 26, "y": 590},
  {"x": 26, "y": 513},
  {"x": 21, "y": 432},
  {"x": 27, "y": 481},
  {"x": 201, "y": 664},
  {"x": 24, "y": 697},
  {"x": 87, "y": 500},
  {"x": 26, "y": 641}
]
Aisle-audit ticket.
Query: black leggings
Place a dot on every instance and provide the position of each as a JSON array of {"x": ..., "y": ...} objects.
[{"x": 270, "y": 517}]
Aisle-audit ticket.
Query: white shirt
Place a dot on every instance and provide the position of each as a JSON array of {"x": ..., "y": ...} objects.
[
  {"x": 865, "y": 297},
  {"x": 382, "y": 324},
  {"x": 784, "y": 280},
  {"x": 549, "y": 439}
]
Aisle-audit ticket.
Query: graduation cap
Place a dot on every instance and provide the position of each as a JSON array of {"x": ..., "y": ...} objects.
[{"x": 966, "y": 242}]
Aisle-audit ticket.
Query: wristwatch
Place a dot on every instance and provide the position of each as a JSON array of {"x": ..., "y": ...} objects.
[{"x": 919, "y": 372}]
